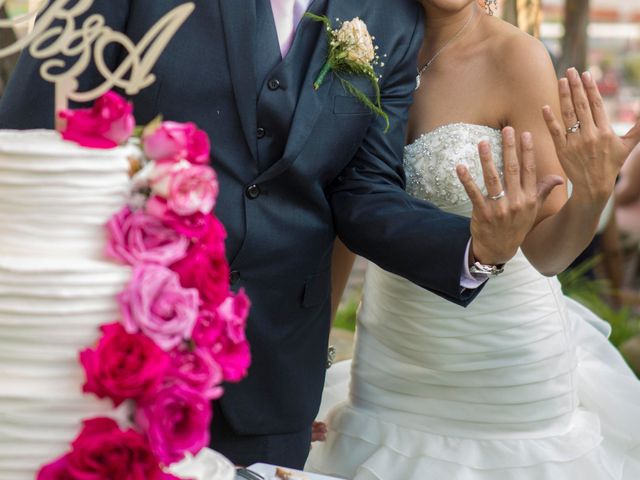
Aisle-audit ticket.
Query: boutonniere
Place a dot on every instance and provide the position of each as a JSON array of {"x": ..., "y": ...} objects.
[{"x": 351, "y": 51}]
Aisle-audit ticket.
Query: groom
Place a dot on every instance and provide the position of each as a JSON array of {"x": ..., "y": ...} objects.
[{"x": 297, "y": 167}]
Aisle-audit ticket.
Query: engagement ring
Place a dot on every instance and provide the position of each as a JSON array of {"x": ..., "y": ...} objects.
[
  {"x": 574, "y": 128},
  {"x": 498, "y": 196}
]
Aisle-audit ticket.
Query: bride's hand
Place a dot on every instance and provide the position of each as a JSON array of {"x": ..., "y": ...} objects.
[
  {"x": 502, "y": 219},
  {"x": 589, "y": 152}
]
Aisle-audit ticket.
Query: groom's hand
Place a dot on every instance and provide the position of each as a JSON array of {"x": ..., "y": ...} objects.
[{"x": 502, "y": 219}]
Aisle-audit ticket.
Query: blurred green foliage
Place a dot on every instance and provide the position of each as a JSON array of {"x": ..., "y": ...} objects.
[
  {"x": 631, "y": 70},
  {"x": 346, "y": 316}
]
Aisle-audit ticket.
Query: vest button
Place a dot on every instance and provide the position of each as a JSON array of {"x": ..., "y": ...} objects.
[
  {"x": 253, "y": 192},
  {"x": 261, "y": 132},
  {"x": 234, "y": 277},
  {"x": 274, "y": 84}
]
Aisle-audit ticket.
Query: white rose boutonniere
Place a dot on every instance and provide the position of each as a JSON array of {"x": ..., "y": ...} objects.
[{"x": 351, "y": 51}]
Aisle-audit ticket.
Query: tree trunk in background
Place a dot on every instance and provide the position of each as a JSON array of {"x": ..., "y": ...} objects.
[
  {"x": 524, "y": 14},
  {"x": 510, "y": 12},
  {"x": 7, "y": 37},
  {"x": 574, "y": 44}
]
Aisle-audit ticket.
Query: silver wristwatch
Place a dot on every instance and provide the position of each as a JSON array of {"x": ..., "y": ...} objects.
[{"x": 487, "y": 270}]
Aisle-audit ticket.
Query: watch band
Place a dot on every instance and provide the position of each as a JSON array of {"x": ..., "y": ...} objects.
[{"x": 487, "y": 270}]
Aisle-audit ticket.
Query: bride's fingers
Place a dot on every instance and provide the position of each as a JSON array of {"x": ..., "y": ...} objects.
[
  {"x": 569, "y": 116},
  {"x": 580, "y": 101},
  {"x": 473, "y": 192},
  {"x": 512, "y": 179},
  {"x": 489, "y": 172},
  {"x": 529, "y": 179},
  {"x": 600, "y": 116},
  {"x": 555, "y": 128}
]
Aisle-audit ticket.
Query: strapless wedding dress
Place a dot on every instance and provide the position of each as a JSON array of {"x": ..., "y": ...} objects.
[{"x": 521, "y": 385}]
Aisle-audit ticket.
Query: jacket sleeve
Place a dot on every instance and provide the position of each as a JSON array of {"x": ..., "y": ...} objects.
[
  {"x": 28, "y": 102},
  {"x": 377, "y": 219}
]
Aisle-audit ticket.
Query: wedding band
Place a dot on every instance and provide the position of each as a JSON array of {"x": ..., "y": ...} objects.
[
  {"x": 498, "y": 196},
  {"x": 575, "y": 128}
]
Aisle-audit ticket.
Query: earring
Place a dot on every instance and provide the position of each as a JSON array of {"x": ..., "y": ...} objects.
[{"x": 491, "y": 6}]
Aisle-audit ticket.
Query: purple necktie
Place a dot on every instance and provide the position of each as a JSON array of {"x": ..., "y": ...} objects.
[{"x": 287, "y": 14}]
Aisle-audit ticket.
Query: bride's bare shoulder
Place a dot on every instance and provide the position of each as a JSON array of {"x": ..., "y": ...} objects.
[{"x": 520, "y": 59}]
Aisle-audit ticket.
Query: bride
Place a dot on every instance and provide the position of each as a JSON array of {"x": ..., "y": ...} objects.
[{"x": 523, "y": 384}]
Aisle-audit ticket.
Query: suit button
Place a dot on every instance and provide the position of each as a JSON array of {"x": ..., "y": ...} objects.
[
  {"x": 274, "y": 84},
  {"x": 261, "y": 132},
  {"x": 253, "y": 192},
  {"x": 234, "y": 277}
]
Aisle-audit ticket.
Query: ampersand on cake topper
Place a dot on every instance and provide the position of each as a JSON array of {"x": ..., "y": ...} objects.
[{"x": 67, "y": 48}]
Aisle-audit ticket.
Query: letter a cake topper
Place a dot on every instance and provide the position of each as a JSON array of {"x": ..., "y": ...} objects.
[{"x": 68, "y": 49}]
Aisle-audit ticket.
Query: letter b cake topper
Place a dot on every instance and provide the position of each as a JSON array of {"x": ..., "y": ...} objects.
[{"x": 67, "y": 49}]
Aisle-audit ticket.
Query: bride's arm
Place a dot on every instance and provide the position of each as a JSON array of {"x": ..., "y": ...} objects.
[
  {"x": 564, "y": 227},
  {"x": 341, "y": 266}
]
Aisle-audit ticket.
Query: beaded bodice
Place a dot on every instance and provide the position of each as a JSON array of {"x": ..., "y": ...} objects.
[{"x": 430, "y": 163}]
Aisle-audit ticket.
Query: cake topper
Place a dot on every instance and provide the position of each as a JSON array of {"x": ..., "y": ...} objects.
[{"x": 67, "y": 48}]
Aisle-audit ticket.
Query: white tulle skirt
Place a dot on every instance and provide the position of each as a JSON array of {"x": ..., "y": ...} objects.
[{"x": 482, "y": 417}]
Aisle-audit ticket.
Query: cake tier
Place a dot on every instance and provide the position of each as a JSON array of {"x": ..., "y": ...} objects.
[
  {"x": 50, "y": 309},
  {"x": 56, "y": 196}
]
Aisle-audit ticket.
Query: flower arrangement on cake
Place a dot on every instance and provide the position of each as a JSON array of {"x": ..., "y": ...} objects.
[{"x": 181, "y": 332}]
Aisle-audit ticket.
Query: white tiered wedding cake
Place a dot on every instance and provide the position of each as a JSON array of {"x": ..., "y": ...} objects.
[{"x": 56, "y": 289}]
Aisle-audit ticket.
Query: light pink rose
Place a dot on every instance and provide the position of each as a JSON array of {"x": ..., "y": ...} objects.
[
  {"x": 156, "y": 304},
  {"x": 107, "y": 124},
  {"x": 173, "y": 141},
  {"x": 189, "y": 189},
  {"x": 123, "y": 366},
  {"x": 137, "y": 237},
  {"x": 235, "y": 311},
  {"x": 104, "y": 452},
  {"x": 197, "y": 368},
  {"x": 176, "y": 422}
]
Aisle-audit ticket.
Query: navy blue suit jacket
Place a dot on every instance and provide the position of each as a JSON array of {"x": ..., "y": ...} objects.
[{"x": 339, "y": 174}]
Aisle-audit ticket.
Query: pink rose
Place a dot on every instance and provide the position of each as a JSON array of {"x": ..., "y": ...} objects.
[
  {"x": 107, "y": 124},
  {"x": 196, "y": 368},
  {"x": 137, "y": 237},
  {"x": 197, "y": 227},
  {"x": 123, "y": 366},
  {"x": 156, "y": 304},
  {"x": 235, "y": 310},
  {"x": 234, "y": 358},
  {"x": 209, "y": 328},
  {"x": 188, "y": 188},
  {"x": 172, "y": 142},
  {"x": 207, "y": 271},
  {"x": 104, "y": 452},
  {"x": 176, "y": 422}
]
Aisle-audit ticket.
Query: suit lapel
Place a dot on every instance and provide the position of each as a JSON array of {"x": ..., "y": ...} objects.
[
  {"x": 313, "y": 39},
  {"x": 239, "y": 22}
]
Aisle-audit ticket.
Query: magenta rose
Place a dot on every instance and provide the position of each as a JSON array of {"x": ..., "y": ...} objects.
[
  {"x": 155, "y": 304},
  {"x": 194, "y": 226},
  {"x": 123, "y": 366},
  {"x": 235, "y": 311},
  {"x": 209, "y": 328},
  {"x": 107, "y": 124},
  {"x": 196, "y": 368},
  {"x": 104, "y": 452},
  {"x": 176, "y": 422},
  {"x": 172, "y": 141},
  {"x": 207, "y": 271},
  {"x": 137, "y": 237},
  {"x": 188, "y": 188},
  {"x": 234, "y": 358}
]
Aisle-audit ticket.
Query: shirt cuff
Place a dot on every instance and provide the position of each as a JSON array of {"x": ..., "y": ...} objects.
[{"x": 469, "y": 281}]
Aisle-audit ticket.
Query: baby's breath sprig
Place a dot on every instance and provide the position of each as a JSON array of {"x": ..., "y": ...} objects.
[{"x": 351, "y": 51}]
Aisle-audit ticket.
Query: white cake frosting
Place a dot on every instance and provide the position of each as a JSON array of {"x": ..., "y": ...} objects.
[{"x": 56, "y": 289}]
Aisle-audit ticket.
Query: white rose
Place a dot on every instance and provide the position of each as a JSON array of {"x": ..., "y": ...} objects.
[{"x": 355, "y": 38}]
